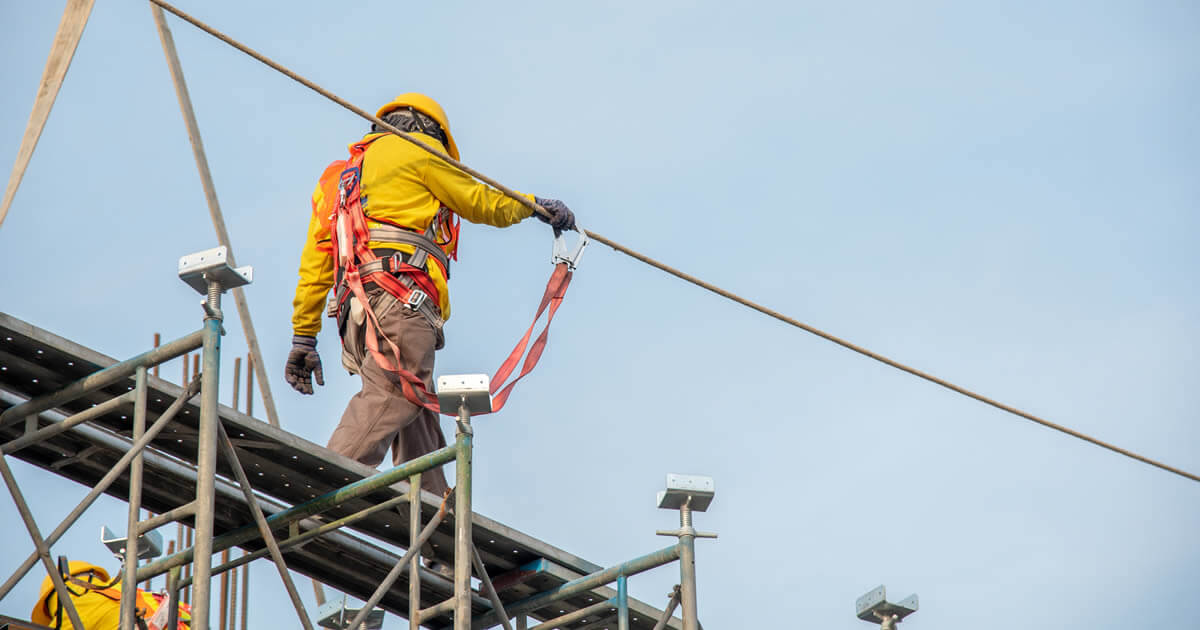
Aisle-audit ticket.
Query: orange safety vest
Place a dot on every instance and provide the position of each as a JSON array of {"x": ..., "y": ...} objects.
[
  {"x": 357, "y": 264},
  {"x": 442, "y": 233}
]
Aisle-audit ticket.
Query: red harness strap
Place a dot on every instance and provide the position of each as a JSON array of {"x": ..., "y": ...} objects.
[
  {"x": 350, "y": 237},
  {"x": 556, "y": 288},
  {"x": 414, "y": 388}
]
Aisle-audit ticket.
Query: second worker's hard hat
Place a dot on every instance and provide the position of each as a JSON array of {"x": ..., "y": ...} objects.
[
  {"x": 41, "y": 614},
  {"x": 426, "y": 106}
]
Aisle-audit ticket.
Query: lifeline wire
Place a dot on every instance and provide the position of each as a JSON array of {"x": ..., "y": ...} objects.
[{"x": 664, "y": 267}]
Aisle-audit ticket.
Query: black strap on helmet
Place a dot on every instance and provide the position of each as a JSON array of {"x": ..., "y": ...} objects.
[
  {"x": 64, "y": 568},
  {"x": 412, "y": 120}
]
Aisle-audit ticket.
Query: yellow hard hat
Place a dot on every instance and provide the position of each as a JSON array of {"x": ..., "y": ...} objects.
[
  {"x": 75, "y": 567},
  {"x": 426, "y": 106}
]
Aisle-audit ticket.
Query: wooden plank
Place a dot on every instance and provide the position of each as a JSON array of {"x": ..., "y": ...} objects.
[
  {"x": 214, "y": 208},
  {"x": 66, "y": 40}
]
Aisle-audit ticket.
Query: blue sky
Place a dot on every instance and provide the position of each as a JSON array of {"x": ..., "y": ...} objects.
[{"x": 1003, "y": 195}]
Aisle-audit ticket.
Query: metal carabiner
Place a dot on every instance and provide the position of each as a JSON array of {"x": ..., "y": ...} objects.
[{"x": 571, "y": 257}]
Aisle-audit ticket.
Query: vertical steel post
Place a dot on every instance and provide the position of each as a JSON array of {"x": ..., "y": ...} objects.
[
  {"x": 187, "y": 568},
  {"x": 237, "y": 378},
  {"x": 223, "y": 623},
  {"x": 154, "y": 371},
  {"x": 687, "y": 567},
  {"x": 414, "y": 528},
  {"x": 522, "y": 622},
  {"x": 129, "y": 595},
  {"x": 233, "y": 600},
  {"x": 147, "y": 585},
  {"x": 462, "y": 520},
  {"x": 245, "y": 596},
  {"x": 250, "y": 385},
  {"x": 173, "y": 598},
  {"x": 245, "y": 603},
  {"x": 186, "y": 541},
  {"x": 622, "y": 602},
  {"x": 318, "y": 592},
  {"x": 206, "y": 457}
]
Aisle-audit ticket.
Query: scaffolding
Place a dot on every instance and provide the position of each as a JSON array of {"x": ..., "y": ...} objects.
[{"x": 118, "y": 429}]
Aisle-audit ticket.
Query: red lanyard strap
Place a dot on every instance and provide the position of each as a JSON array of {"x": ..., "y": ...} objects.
[{"x": 556, "y": 288}]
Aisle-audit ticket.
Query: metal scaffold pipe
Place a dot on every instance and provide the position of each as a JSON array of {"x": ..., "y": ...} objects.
[
  {"x": 585, "y": 583},
  {"x": 129, "y": 595},
  {"x": 206, "y": 458},
  {"x": 462, "y": 520},
  {"x": 402, "y": 565},
  {"x": 317, "y": 505},
  {"x": 101, "y": 486},
  {"x": 103, "y": 378}
]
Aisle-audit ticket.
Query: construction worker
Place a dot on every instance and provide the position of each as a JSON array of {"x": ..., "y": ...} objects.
[
  {"x": 411, "y": 200},
  {"x": 97, "y": 600}
]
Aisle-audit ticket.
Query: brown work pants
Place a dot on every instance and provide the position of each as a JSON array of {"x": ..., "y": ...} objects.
[{"x": 379, "y": 416}]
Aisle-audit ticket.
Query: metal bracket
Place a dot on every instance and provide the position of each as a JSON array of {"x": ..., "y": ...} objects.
[
  {"x": 562, "y": 254},
  {"x": 336, "y": 615},
  {"x": 149, "y": 545},
  {"x": 696, "y": 490},
  {"x": 213, "y": 264},
  {"x": 469, "y": 389},
  {"x": 875, "y": 608}
]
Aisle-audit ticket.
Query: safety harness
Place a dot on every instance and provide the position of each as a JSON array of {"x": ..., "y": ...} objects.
[{"x": 405, "y": 278}]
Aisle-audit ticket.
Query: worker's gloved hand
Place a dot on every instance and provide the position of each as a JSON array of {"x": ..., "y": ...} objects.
[
  {"x": 303, "y": 363},
  {"x": 563, "y": 218}
]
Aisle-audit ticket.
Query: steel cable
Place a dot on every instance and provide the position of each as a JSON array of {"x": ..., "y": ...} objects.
[{"x": 667, "y": 268}]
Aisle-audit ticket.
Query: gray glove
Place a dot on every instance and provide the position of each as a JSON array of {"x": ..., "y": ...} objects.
[
  {"x": 303, "y": 363},
  {"x": 563, "y": 218}
]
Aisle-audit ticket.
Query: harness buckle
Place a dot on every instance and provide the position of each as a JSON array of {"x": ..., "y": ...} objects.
[
  {"x": 348, "y": 179},
  {"x": 571, "y": 257},
  {"x": 416, "y": 298}
]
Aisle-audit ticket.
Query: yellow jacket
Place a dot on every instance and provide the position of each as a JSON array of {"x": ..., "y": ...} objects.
[
  {"x": 405, "y": 185},
  {"x": 98, "y": 609}
]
